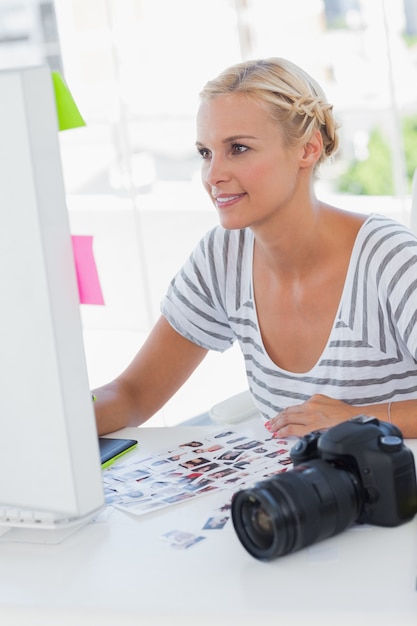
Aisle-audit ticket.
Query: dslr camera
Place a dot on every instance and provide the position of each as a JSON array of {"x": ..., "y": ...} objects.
[{"x": 358, "y": 471}]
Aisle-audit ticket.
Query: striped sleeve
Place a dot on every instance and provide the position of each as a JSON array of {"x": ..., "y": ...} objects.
[
  {"x": 383, "y": 296},
  {"x": 196, "y": 303}
]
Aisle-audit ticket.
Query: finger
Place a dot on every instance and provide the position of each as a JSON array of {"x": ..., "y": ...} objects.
[
  {"x": 291, "y": 430},
  {"x": 292, "y": 425},
  {"x": 294, "y": 410},
  {"x": 282, "y": 419}
]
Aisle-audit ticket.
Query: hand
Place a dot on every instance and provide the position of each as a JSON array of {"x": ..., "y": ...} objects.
[{"x": 318, "y": 413}]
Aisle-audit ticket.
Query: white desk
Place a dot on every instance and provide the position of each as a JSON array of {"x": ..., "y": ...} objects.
[{"x": 121, "y": 572}]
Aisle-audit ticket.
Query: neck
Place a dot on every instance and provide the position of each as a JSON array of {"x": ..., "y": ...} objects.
[{"x": 295, "y": 246}]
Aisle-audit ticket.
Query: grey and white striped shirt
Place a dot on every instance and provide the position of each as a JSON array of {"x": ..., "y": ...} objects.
[{"x": 371, "y": 353}]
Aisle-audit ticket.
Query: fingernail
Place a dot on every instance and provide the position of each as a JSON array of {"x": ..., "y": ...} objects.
[{"x": 267, "y": 425}]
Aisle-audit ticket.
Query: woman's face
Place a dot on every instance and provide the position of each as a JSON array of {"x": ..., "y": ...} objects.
[{"x": 247, "y": 170}]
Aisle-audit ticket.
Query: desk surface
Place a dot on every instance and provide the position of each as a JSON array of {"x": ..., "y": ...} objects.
[{"x": 120, "y": 571}]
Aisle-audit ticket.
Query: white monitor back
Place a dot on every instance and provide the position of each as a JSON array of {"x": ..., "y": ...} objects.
[{"x": 49, "y": 458}]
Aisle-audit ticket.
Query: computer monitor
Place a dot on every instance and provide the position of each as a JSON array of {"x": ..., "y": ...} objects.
[{"x": 50, "y": 471}]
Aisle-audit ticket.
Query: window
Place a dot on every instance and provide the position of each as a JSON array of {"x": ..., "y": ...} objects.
[{"x": 135, "y": 68}]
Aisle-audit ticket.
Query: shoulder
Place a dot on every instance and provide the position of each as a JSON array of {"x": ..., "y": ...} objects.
[
  {"x": 380, "y": 228},
  {"x": 386, "y": 250},
  {"x": 223, "y": 262},
  {"x": 382, "y": 239},
  {"x": 222, "y": 244}
]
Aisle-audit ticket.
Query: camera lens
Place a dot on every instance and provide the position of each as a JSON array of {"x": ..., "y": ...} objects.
[
  {"x": 295, "y": 509},
  {"x": 259, "y": 524}
]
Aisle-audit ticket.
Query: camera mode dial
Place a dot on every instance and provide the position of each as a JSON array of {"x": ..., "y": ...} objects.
[
  {"x": 390, "y": 443},
  {"x": 305, "y": 448}
]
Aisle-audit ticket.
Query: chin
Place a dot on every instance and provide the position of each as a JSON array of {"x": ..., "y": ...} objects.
[{"x": 232, "y": 222}]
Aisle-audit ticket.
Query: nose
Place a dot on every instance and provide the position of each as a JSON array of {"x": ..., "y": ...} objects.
[{"x": 215, "y": 171}]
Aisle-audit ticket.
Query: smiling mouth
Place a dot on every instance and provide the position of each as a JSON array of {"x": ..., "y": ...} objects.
[{"x": 223, "y": 200}]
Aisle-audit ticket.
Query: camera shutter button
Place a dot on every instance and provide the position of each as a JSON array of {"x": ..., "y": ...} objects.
[{"x": 390, "y": 443}]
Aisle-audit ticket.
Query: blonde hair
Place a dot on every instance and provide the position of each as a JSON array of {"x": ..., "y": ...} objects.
[{"x": 295, "y": 99}]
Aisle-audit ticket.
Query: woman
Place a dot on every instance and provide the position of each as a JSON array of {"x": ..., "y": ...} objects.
[{"x": 321, "y": 301}]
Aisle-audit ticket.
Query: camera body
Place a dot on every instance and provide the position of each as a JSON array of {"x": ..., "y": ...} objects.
[
  {"x": 375, "y": 453},
  {"x": 358, "y": 471}
]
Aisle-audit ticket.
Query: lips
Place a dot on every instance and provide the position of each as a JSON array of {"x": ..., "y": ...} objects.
[{"x": 224, "y": 200}]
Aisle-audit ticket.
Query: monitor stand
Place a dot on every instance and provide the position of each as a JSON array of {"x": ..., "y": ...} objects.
[{"x": 48, "y": 534}]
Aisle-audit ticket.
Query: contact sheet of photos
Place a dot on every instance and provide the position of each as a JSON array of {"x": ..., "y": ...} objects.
[{"x": 226, "y": 460}]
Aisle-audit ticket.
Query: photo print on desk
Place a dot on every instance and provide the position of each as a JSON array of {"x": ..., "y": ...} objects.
[
  {"x": 224, "y": 461},
  {"x": 182, "y": 540}
]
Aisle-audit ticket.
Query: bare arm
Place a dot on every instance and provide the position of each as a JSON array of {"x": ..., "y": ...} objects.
[
  {"x": 321, "y": 412},
  {"x": 160, "y": 368}
]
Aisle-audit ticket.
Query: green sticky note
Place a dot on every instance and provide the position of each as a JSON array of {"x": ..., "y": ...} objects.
[{"x": 68, "y": 113}]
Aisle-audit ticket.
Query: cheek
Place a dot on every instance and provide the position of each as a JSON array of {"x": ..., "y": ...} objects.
[
  {"x": 204, "y": 182},
  {"x": 278, "y": 171},
  {"x": 262, "y": 175}
]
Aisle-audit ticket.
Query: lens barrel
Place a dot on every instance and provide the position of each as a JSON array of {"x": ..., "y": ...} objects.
[{"x": 313, "y": 501}]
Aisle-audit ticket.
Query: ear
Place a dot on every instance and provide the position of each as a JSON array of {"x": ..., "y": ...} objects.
[{"x": 312, "y": 150}]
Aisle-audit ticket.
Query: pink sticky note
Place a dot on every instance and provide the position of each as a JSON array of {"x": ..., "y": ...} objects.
[{"x": 85, "y": 266}]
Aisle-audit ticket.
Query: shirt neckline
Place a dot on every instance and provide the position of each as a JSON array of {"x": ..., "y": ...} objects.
[{"x": 351, "y": 268}]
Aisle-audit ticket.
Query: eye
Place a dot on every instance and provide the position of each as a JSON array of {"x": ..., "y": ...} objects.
[
  {"x": 204, "y": 153},
  {"x": 238, "y": 148}
]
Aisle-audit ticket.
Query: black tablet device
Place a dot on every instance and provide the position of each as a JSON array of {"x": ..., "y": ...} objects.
[{"x": 112, "y": 449}]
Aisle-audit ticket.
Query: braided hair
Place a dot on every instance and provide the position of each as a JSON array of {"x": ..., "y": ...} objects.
[{"x": 295, "y": 100}]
